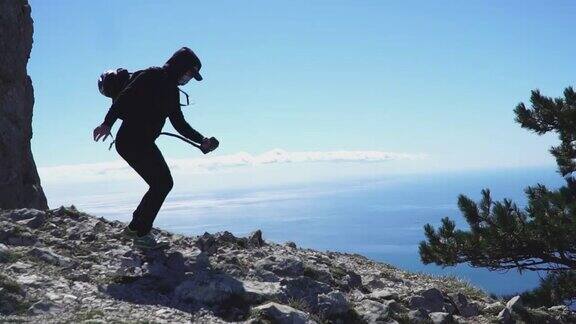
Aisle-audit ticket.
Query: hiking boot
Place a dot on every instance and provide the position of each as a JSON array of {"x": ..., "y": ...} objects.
[
  {"x": 148, "y": 241},
  {"x": 128, "y": 233}
]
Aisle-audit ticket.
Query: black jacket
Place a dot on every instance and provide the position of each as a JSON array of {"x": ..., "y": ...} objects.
[{"x": 151, "y": 96}]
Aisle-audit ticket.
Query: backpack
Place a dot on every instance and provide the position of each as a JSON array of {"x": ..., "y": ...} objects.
[{"x": 111, "y": 82}]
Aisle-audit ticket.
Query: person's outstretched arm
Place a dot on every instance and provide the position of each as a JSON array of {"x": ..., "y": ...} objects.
[{"x": 181, "y": 125}]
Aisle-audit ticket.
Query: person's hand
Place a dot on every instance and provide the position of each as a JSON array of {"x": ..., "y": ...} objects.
[
  {"x": 209, "y": 144},
  {"x": 101, "y": 131}
]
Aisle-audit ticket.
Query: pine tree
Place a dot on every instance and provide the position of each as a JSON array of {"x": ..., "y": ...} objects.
[
  {"x": 541, "y": 236},
  {"x": 555, "y": 289}
]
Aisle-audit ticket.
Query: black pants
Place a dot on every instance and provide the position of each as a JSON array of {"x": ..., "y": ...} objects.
[{"x": 145, "y": 158}]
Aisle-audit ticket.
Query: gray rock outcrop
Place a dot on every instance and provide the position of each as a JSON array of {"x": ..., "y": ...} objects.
[
  {"x": 19, "y": 181},
  {"x": 64, "y": 266}
]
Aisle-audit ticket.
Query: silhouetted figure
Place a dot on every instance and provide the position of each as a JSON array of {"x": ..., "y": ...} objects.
[{"x": 143, "y": 103}]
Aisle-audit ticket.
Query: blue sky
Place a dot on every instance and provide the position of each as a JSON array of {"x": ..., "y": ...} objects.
[
  {"x": 438, "y": 78},
  {"x": 297, "y": 92}
]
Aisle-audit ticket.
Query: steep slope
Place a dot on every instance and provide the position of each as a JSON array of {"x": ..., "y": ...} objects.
[
  {"x": 19, "y": 181},
  {"x": 63, "y": 265}
]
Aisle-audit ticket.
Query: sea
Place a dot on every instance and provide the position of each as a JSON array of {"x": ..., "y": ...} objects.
[{"x": 380, "y": 217}]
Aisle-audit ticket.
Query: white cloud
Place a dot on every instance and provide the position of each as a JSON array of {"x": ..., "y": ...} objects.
[{"x": 119, "y": 169}]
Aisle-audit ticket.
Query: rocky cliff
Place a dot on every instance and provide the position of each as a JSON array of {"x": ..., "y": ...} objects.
[
  {"x": 65, "y": 266},
  {"x": 19, "y": 181}
]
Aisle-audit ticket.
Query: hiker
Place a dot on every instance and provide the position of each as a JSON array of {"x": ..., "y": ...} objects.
[{"x": 143, "y": 103}]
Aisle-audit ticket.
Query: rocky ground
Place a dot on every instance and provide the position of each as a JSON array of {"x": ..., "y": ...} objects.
[{"x": 65, "y": 266}]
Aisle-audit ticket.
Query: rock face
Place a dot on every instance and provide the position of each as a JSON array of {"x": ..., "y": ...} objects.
[
  {"x": 19, "y": 181},
  {"x": 65, "y": 266}
]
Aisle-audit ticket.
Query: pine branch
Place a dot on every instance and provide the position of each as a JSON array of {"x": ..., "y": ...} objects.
[{"x": 502, "y": 236}]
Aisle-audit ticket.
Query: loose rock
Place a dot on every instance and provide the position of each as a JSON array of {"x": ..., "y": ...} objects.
[
  {"x": 51, "y": 257},
  {"x": 515, "y": 303},
  {"x": 441, "y": 318},
  {"x": 282, "y": 314},
  {"x": 505, "y": 316},
  {"x": 255, "y": 239},
  {"x": 333, "y": 303},
  {"x": 430, "y": 300},
  {"x": 372, "y": 311}
]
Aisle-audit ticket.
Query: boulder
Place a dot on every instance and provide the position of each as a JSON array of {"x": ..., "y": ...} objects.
[
  {"x": 209, "y": 289},
  {"x": 130, "y": 262},
  {"x": 515, "y": 303},
  {"x": 465, "y": 308},
  {"x": 372, "y": 311},
  {"x": 349, "y": 281},
  {"x": 226, "y": 237},
  {"x": 16, "y": 235},
  {"x": 318, "y": 271},
  {"x": 373, "y": 282},
  {"x": 255, "y": 239},
  {"x": 430, "y": 300},
  {"x": 43, "y": 307},
  {"x": 418, "y": 316},
  {"x": 493, "y": 308},
  {"x": 505, "y": 316},
  {"x": 4, "y": 253},
  {"x": 34, "y": 222},
  {"x": 263, "y": 275},
  {"x": 281, "y": 314},
  {"x": 51, "y": 257},
  {"x": 281, "y": 265},
  {"x": 333, "y": 303},
  {"x": 441, "y": 318},
  {"x": 23, "y": 214},
  {"x": 31, "y": 280},
  {"x": 207, "y": 243},
  {"x": 258, "y": 291},
  {"x": 175, "y": 262},
  {"x": 304, "y": 288},
  {"x": 290, "y": 244},
  {"x": 68, "y": 213},
  {"x": 24, "y": 239},
  {"x": 385, "y": 293},
  {"x": 12, "y": 298},
  {"x": 559, "y": 308}
]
